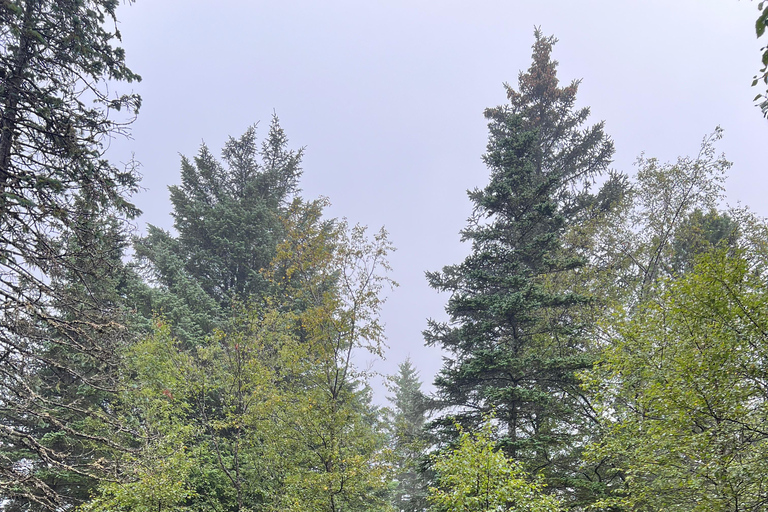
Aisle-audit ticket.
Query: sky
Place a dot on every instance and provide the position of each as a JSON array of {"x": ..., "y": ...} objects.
[{"x": 387, "y": 99}]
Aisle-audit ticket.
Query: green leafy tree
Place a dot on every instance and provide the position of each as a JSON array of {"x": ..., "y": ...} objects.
[
  {"x": 205, "y": 421},
  {"x": 331, "y": 276},
  {"x": 663, "y": 225},
  {"x": 157, "y": 471},
  {"x": 669, "y": 215},
  {"x": 227, "y": 219},
  {"x": 268, "y": 413},
  {"x": 476, "y": 476},
  {"x": 409, "y": 442},
  {"x": 515, "y": 340},
  {"x": 699, "y": 233},
  {"x": 682, "y": 391},
  {"x": 62, "y": 213}
]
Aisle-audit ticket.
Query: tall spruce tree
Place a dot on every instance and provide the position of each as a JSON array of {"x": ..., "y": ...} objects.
[
  {"x": 227, "y": 216},
  {"x": 514, "y": 339},
  {"x": 71, "y": 390}
]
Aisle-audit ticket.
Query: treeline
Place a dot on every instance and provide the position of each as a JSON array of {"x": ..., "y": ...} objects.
[{"x": 605, "y": 348}]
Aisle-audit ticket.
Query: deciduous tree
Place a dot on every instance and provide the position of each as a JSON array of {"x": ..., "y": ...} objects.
[
  {"x": 760, "y": 25},
  {"x": 476, "y": 476},
  {"x": 682, "y": 389},
  {"x": 669, "y": 214},
  {"x": 332, "y": 277}
]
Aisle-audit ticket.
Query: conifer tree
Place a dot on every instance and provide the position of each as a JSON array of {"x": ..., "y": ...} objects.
[
  {"x": 408, "y": 438},
  {"x": 514, "y": 337},
  {"x": 63, "y": 209},
  {"x": 227, "y": 216},
  {"x": 64, "y": 397}
]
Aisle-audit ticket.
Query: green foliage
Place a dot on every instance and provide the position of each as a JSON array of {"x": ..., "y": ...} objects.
[
  {"x": 268, "y": 412},
  {"x": 227, "y": 216},
  {"x": 69, "y": 388},
  {"x": 62, "y": 231},
  {"x": 207, "y": 414},
  {"x": 663, "y": 226},
  {"x": 334, "y": 275},
  {"x": 515, "y": 340},
  {"x": 760, "y": 25},
  {"x": 682, "y": 391},
  {"x": 668, "y": 216},
  {"x": 408, "y": 439},
  {"x": 699, "y": 233},
  {"x": 668, "y": 219},
  {"x": 159, "y": 483},
  {"x": 475, "y": 476}
]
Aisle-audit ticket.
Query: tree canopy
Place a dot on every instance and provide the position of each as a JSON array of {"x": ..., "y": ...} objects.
[
  {"x": 605, "y": 347},
  {"x": 63, "y": 209},
  {"x": 477, "y": 476},
  {"x": 227, "y": 218},
  {"x": 682, "y": 391}
]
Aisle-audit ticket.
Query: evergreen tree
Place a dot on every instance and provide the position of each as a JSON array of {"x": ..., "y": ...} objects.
[
  {"x": 514, "y": 338},
  {"x": 408, "y": 439},
  {"x": 67, "y": 392},
  {"x": 227, "y": 216},
  {"x": 62, "y": 222}
]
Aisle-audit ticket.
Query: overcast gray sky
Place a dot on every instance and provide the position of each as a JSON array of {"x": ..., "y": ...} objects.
[{"x": 387, "y": 97}]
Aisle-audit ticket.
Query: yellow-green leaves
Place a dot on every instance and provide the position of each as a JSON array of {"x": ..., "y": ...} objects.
[
  {"x": 268, "y": 412},
  {"x": 682, "y": 392},
  {"x": 475, "y": 476},
  {"x": 159, "y": 482},
  {"x": 330, "y": 276}
]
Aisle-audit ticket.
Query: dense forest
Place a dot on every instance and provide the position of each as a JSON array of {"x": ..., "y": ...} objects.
[{"x": 606, "y": 340}]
